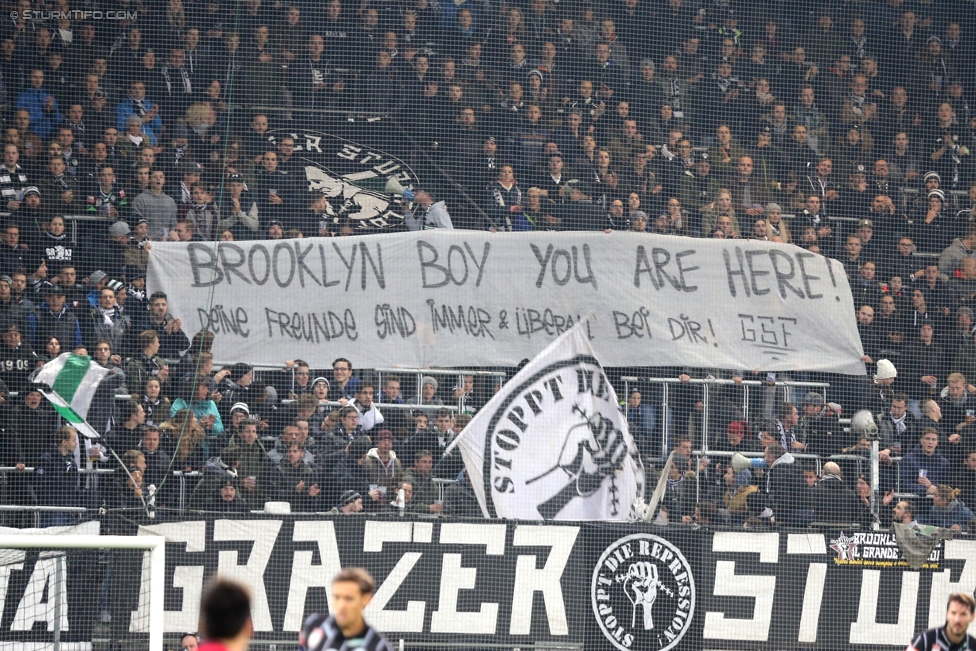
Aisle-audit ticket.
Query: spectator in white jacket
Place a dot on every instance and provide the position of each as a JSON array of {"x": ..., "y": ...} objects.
[{"x": 369, "y": 415}]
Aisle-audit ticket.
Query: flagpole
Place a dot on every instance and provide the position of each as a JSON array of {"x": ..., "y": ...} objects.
[
  {"x": 81, "y": 425},
  {"x": 662, "y": 483}
]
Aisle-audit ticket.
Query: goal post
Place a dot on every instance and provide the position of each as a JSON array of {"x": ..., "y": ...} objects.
[{"x": 155, "y": 545}]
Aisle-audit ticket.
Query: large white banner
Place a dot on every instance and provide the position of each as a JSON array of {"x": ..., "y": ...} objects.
[
  {"x": 553, "y": 443},
  {"x": 470, "y": 298}
]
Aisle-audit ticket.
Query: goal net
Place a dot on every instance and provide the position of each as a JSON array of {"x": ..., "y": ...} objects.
[{"x": 81, "y": 592}]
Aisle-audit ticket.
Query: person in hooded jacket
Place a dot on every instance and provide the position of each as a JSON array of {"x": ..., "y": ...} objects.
[
  {"x": 350, "y": 474},
  {"x": 435, "y": 213},
  {"x": 226, "y": 499},
  {"x": 382, "y": 465}
]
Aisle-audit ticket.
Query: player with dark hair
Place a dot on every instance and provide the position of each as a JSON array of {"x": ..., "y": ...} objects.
[
  {"x": 959, "y": 615},
  {"x": 225, "y": 617},
  {"x": 345, "y": 629}
]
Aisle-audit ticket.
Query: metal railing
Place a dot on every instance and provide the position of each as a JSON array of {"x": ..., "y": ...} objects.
[
  {"x": 419, "y": 373},
  {"x": 384, "y": 406},
  {"x": 667, "y": 383}
]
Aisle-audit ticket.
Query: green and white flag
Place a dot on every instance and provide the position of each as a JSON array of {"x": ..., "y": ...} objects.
[{"x": 73, "y": 380}]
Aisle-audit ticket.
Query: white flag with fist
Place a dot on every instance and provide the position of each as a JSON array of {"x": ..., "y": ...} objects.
[{"x": 553, "y": 444}]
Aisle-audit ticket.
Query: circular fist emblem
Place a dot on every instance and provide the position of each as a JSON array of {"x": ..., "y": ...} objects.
[
  {"x": 643, "y": 593},
  {"x": 568, "y": 416}
]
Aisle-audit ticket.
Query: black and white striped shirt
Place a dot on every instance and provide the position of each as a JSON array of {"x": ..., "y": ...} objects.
[
  {"x": 321, "y": 633},
  {"x": 935, "y": 639}
]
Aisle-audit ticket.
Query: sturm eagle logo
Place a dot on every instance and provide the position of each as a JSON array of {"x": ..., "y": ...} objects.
[
  {"x": 643, "y": 593},
  {"x": 351, "y": 177}
]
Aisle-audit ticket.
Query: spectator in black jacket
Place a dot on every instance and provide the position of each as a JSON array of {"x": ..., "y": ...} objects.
[
  {"x": 173, "y": 342},
  {"x": 921, "y": 370},
  {"x": 785, "y": 489},
  {"x": 312, "y": 80},
  {"x": 460, "y": 500},
  {"x": 822, "y": 432},
  {"x": 679, "y": 496},
  {"x": 54, "y": 319},
  {"x": 13, "y": 253},
  {"x": 157, "y": 459},
  {"x": 965, "y": 479},
  {"x": 897, "y": 427},
  {"x": 832, "y": 499},
  {"x": 17, "y": 358},
  {"x": 56, "y": 478},
  {"x": 924, "y": 466},
  {"x": 294, "y": 481}
]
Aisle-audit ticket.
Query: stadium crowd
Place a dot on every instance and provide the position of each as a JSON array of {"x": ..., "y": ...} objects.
[{"x": 843, "y": 128}]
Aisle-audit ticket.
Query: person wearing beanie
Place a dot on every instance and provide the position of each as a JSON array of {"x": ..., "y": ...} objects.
[
  {"x": 821, "y": 429},
  {"x": 233, "y": 422},
  {"x": 428, "y": 392},
  {"x": 931, "y": 229},
  {"x": 877, "y": 398},
  {"x": 235, "y": 386},
  {"x": 216, "y": 473},
  {"x": 349, "y": 503},
  {"x": 320, "y": 390}
]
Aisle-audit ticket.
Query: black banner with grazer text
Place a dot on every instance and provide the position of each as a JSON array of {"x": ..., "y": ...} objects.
[{"x": 579, "y": 584}]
